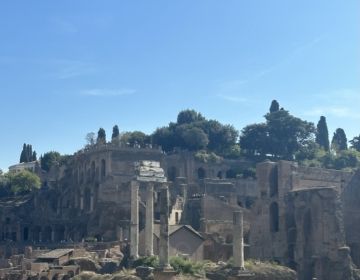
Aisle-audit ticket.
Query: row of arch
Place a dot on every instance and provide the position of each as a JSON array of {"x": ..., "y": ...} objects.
[
  {"x": 201, "y": 173},
  {"x": 92, "y": 173}
]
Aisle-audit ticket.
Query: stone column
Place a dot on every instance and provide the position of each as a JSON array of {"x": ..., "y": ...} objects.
[
  {"x": 92, "y": 201},
  {"x": 81, "y": 200},
  {"x": 134, "y": 223},
  {"x": 149, "y": 223},
  {"x": 53, "y": 234},
  {"x": 238, "y": 240},
  {"x": 164, "y": 228},
  {"x": 165, "y": 271}
]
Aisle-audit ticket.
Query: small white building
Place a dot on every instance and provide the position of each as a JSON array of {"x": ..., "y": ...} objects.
[{"x": 31, "y": 166}]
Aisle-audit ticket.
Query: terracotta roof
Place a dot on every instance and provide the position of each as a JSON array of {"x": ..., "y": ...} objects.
[{"x": 175, "y": 228}]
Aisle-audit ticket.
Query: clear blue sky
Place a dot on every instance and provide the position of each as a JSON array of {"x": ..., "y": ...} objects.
[{"x": 69, "y": 67}]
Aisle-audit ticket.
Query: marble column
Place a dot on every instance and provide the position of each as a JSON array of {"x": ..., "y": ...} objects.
[
  {"x": 164, "y": 228},
  {"x": 149, "y": 223},
  {"x": 134, "y": 223},
  {"x": 165, "y": 271},
  {"x": 238, "y": 240}
]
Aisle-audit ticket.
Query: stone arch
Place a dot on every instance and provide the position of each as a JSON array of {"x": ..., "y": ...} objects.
[
  {"x": 35, "y": 232},
  {"x": 26, "y": 233},
  {"x": 93, "y": 170},
  {"x": 81, "y": 177},
  {"x": 201, "y": 173},
  {"x": 231, "y": 174},
  {"x": 274, "y": 217},
  {"x": 274, "y": 189},
  {"x": 307, "y": 226},
  {"x": 172, "y": 173},
  {"x": 103, "y": 169},
  {"x": 46, "y": 236},
  {"x": 59, "y": 233},
  {"x": 87, "y": 199}
]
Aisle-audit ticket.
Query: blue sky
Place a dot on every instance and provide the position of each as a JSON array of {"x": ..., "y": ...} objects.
[{"x": 70, "y": 67}]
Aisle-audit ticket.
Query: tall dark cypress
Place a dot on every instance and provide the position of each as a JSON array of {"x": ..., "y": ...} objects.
[
  {"x": 23, "y": 154},
  {"x": 274, "y": 107},
  {"x": 322, "y": 134}
]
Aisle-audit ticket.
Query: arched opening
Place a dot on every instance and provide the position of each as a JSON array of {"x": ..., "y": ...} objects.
[
  {"x": 229, "y": 239},
  {"x": 274, "y": 217},
  {"x": 172, "y": 173},
  {"x": 59, "y": 233},
  {"x": 176, "y": 217},
  {"x": 93, "y": 171},
  {"x": 71, "y": 274},
  {"x": 219, "y": 175},
  {"x": 307, "y": 226},
  {"x": 231, "y": 174},
  {"x": 81, "y": 177},
  {"x": 55, "y": 277},
  {"x": 46, "y": 237},
  {"x": 274, "y": 182},
  {"x": 201, "y": 173},
  {"x": 87, "y": 199},
  {"x": 103, "y": 169},
  {"x": 36, "y": 233},
  {"x": 26, "y": 234},
  {"x": 44, "y": 278}
]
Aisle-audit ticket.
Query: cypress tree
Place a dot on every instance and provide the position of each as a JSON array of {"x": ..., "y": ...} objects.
[
  {"x": 34, "y": 156},
  {"x": 101, "y": 138},
  {"x": 115, "y": 133},
  {"x": 322, "y": 134},
  {"x": 274, "y": 107},
  {"x": 23, "y": 154},
  {"x": 339, "y": 140}
]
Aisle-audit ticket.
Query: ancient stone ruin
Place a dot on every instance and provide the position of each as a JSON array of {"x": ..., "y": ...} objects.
[{"x": 147, "y": 202}]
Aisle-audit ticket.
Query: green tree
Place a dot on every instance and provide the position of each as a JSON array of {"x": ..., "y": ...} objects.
[
  {"x": 339, "y": 140},
  {"x": 50, "y": 159},
  {"x": 287, "y": 134},
  {"x": 101, "y": 138},
  {"x": 189, "y": 116},
  {"x": 355, "y": 143},
  {"x": 115, "y": 134},
  {"x": 23, "y": 181},
  {"x": 34, "y": 156},
  {"x": 254, "y": 140},
  {"x": 274, "y": 107},
  {"x": 322, "y": 134},
  {"x": 195, "y": 138},
  {"x": 135, "y": 138},
  {"x": 23, "y": 154}
]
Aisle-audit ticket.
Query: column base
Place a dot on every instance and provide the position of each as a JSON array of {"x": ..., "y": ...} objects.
[
  {"x": 164, "y": 273},
  {"x": 240, "y": 273}
]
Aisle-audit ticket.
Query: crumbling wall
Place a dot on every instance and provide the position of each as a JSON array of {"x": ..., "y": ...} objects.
[{"x": 320, "y": 250}]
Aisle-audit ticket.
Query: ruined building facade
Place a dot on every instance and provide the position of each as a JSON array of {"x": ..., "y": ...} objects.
[{"x": 305, "y": 218}]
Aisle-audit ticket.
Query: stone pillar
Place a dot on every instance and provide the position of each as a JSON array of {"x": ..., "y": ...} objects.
[
  {"x": 92, "y": 201},
  {"x": 238, "y": 240},
  {"x": 53, "y": 234},
  {"x": 165, "y": 271},
  {"x": 164, "y": 228},
  {"x": 81, "y": 200},
  {"x": 149, "y": 223},
  {"x": 134, "y": 223}
]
